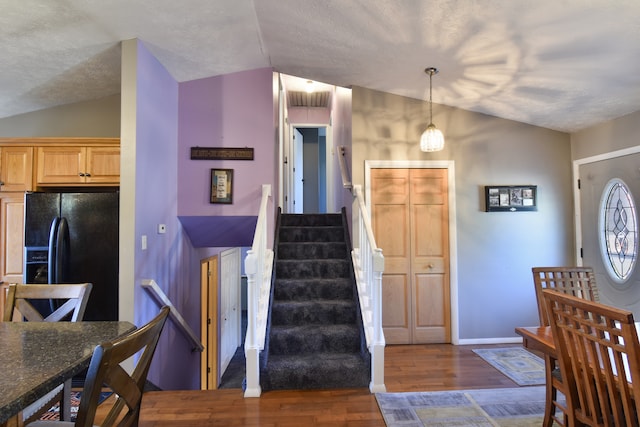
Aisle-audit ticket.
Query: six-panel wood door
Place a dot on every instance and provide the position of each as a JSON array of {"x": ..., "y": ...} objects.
[{"x": 409, "y": 209}]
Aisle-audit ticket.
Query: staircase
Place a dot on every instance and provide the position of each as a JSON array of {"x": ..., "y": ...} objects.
[{"x": 315, "y": 338}]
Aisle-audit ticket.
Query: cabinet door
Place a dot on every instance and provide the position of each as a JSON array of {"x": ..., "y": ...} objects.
[
  {"x": 12, "y": 237},
  {"x": 103, "y": 165},
  {"x": 61, "y": 165},
  {"x": 16, "y": 169}
]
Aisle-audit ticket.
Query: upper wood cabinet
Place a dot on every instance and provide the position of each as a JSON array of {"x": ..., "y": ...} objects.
[
  {"x": 78, "y": 165},
  {"x": 16, "y": 169}
]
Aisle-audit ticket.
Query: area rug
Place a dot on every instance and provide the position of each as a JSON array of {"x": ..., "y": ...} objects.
[
  {"x": 501, "y": 407},
  {"x": 53, "y": 414},
  {"x": 523, "y": 367}
]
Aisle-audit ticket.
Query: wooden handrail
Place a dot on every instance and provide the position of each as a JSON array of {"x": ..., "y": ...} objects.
[
  {"x": 152, "y": 287},
  {"x": 346, "y": 182}
]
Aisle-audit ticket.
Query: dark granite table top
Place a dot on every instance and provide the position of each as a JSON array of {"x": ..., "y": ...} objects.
[{"x": 37, "y": 356}]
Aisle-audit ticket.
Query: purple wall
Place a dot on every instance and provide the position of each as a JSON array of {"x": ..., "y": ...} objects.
[
  {"x": 167, "y": 258},
  {"x": 233, "y": 110}
]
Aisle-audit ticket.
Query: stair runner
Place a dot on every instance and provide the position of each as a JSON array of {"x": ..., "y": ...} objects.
[{"x": 315, "y": 336}]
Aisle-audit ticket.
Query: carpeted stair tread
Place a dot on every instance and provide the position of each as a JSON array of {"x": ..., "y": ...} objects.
[
  {"x": 326, "y": 268},
  {"x": 314, "y": 288},
  {"x": 315, "y": 338},
  {"x": 300, "y": 340},
  {"x": 318, "y": 220},
  {"x": 317, "y": 311},
  {"x": 317, "y": 371},
  {"x": 312, "y": 250},
  {"x": 311, "y": 234}
]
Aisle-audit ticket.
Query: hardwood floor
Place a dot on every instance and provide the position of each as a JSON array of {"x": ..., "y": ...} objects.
[{"x": 407, "y": 368}]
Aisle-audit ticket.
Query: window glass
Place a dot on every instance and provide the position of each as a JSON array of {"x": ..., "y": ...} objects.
[{"x": 618, "y": 230}]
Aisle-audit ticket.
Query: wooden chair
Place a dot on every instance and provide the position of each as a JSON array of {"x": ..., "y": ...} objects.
[
  {"x": 576, "y": 281},
  {"x": 599, "y": 356},
  {"x": 18, "y": 307},
  {"x": 19, "y": 297},
  {"x": 105, "y": 371}
]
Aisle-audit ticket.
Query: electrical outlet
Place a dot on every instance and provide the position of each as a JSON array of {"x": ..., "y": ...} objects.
[{"x": 162, "y": 228}]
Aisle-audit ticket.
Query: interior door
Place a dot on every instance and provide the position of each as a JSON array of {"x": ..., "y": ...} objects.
[
  {"x": 230, "y": 329},
  {"x": 409, "y": 209},
  {"x": 594, "y": 178},
  {"x": 430, "y": 255},
  {"x": 209, "y": 378},
  {"x": 297, "y": 172},
  {"x": 390, "y": 213}
]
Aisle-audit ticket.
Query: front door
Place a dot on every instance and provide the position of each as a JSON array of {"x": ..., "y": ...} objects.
[
  {"x": 409, "y": 210},
  {"x": 594, "y": 177}
]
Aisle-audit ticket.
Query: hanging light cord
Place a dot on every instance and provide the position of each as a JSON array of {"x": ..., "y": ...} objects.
[{"x": 430, "y": 98}]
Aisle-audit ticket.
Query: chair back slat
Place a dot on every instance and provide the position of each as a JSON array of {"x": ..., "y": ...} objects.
[
  {"x": 105, "y": 370},
  {"x": 73, "y": 299},
  {"x": 576, "y": 281},
  {"x": 599, "y": 355}
]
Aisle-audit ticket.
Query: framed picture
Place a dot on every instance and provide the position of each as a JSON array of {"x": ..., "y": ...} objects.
[
  {"x": 222, "y": 186},
  {"x": 510, "y": 198}
]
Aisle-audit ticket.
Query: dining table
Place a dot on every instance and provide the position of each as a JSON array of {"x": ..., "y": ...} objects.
[
  {"x": 538, "y": 338},
  {"x": 36, "y": 357}
]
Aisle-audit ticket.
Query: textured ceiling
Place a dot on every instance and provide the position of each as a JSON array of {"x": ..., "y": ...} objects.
[{"x": 560, "y": 64}]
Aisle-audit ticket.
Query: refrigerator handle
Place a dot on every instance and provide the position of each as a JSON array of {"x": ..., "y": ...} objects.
[
  {"x": 62, "y": 251},
  {"x": 58, "y": 250},
  {"x": 52, "y": 252}
]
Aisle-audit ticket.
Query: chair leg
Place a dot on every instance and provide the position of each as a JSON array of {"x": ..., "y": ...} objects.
[{"x": 551, "y": 393}]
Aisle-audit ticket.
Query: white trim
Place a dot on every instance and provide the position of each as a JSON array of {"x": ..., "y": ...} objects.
[
  {"x": 453, "y": 248},
  {"x": 483, "y": 341},
  {"x": 576, "y": 191}
]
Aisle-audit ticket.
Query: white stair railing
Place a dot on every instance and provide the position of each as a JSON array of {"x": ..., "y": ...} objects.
[
  {"x": 258, "y": 266},
  {"x": 368, "y": 263}
]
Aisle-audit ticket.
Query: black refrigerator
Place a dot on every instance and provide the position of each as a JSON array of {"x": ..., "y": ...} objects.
[{"x": 73, "y": 238}]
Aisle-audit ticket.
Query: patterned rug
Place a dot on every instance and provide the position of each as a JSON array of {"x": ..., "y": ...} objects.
[
  {"x": 53, "y": 414},
  {"x": 522, "y": 366},
  {"x": 501, "y": 407}
]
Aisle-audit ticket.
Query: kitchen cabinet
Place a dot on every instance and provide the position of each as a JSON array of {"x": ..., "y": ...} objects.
[
  {"x": 4, "y": 290},
  {"x": 78, "y": 165},
  {"x": 16, "y": 169},
  {"x": 11, "y": 237}
]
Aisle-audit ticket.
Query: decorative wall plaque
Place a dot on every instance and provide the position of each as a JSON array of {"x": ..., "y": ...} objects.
[{"x": 221, "y": 153}]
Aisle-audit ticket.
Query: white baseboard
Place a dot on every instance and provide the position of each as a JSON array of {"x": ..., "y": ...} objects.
[{"x": 479, "y": 341}]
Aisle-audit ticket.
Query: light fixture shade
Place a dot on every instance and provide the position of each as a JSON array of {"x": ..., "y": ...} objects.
[
  {"x": 310, "y": 86},
  {"x": 432, "y": 139}
]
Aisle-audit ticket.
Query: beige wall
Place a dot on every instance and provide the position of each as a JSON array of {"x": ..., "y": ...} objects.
[
  {"x": 495, "y": 250},
  {"x": 613, "y": 135},
  {"x": 95, "y": 118}
]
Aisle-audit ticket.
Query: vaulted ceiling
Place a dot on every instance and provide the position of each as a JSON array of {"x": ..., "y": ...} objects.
[{"x": 560, "y": 64}]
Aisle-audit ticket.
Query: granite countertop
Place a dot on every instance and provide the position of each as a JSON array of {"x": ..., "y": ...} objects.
[{"x": 38, "y": 356}]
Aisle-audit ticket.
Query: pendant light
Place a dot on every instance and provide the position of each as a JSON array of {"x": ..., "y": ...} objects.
[{"x": 431, "y": 139}]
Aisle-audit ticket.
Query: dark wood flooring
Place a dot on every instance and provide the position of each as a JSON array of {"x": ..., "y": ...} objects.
[{"x": 407, "y": 368}]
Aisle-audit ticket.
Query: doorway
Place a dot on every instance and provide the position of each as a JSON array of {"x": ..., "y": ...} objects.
[
  {"x": 307, "y": 173},
  {"x": 221, "y": 323}
]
